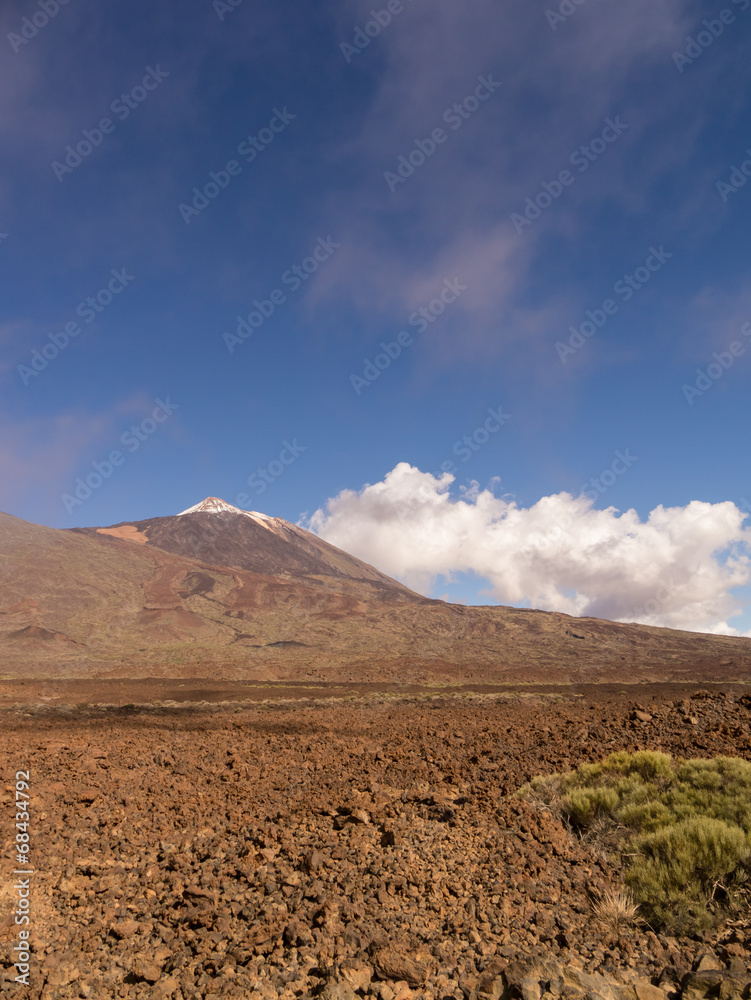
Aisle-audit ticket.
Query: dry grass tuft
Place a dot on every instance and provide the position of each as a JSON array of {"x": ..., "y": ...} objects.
[{"x": 616, "y": 908}]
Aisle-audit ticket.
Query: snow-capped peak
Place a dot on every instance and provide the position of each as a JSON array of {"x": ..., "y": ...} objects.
[{"x": 213, "y": 505}]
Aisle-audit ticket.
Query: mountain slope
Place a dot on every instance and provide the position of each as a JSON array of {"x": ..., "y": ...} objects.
[
  {"x": 109, "y": 604},
  {"x": 215, "y": 532}
]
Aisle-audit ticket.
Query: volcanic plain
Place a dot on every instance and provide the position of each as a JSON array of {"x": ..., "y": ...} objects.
[
  {"x": 251, "y": 781},
  {"x": 344, "y": 844}
]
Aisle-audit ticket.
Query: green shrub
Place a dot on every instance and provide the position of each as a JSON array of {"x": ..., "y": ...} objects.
[
  {"x": 679, "y": 866},
  {"x": 646, "y": 815},
  {"x": 685, "y": 826},
  {"x": 647, "y": 764},
  {"x": 583, "y": 805}
]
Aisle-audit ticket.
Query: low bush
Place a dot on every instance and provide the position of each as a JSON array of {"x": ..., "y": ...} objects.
[{"x": 683, "y": 827}]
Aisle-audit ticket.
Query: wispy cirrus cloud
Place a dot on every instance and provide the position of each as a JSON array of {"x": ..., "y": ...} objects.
[
  {"x": 454, "y": 212},
  {"x": 39, "y": 456}
]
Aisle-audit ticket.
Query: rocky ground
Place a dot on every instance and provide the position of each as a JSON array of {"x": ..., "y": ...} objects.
[{"x": 365, "y": 847}]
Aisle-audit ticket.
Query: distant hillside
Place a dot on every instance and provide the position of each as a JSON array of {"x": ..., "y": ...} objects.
[{"x": 110, "y": 603}]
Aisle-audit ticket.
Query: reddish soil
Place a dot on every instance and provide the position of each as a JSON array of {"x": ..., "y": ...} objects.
[
  {"x": 290, "y": 608},
  {"x": 323, "y": 843}
]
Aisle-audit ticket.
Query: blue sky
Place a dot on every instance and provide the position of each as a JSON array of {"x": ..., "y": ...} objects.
[{"x": 564, "y": 197}]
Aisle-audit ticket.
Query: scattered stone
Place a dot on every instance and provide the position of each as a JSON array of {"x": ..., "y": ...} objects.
[
  {"x": 357, "y": 975},
  {"x": 60, "y": 971},
  {"x": 125, "y": 928},
  {"x": 144, "y": 969},
  {"x": 644, "y": 990},
  {"x": 338, "y": 991},
  {"x": 312, "y": 861},
  {"x": 183, "y": 887},
  {"x": 708, "y": 962},
  {"x": 711, "y": 984}
]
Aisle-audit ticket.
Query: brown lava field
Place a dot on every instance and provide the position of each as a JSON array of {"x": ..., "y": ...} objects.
[{"x": 220, "y": 840}]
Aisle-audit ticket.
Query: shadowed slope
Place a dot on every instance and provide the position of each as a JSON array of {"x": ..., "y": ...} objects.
[
  {"x": 106, "y": 603},
  {"x": 217, "y": 533}
]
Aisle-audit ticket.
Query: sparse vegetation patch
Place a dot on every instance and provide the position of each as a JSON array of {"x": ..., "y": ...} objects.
[{"x": 682, "y": 827}]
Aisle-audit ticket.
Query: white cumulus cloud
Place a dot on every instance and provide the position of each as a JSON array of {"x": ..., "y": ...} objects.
[{"x": 676, "y": 569}]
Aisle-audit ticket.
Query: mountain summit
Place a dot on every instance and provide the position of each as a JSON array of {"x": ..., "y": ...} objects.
[
  {"x": 215, "y": 532},
  {"x": 215, "y": 505},
  {"x": 221, "y": 592}
]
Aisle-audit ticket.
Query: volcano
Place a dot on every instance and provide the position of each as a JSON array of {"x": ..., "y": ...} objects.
[
  {"x": 217, "y": 533},
  {"x": 219, "y": 592}
]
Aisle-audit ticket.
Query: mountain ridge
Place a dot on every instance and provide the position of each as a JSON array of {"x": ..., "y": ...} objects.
[
  {"x": 111, "y": 603},
  {"x": 218, "y": 533}
]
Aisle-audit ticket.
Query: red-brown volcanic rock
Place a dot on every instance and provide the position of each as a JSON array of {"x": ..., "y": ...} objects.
[
  {"x": 360, "y": 849},
  {"x": 222, "y": 535},
  {"x": 91, "y": 603}
]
